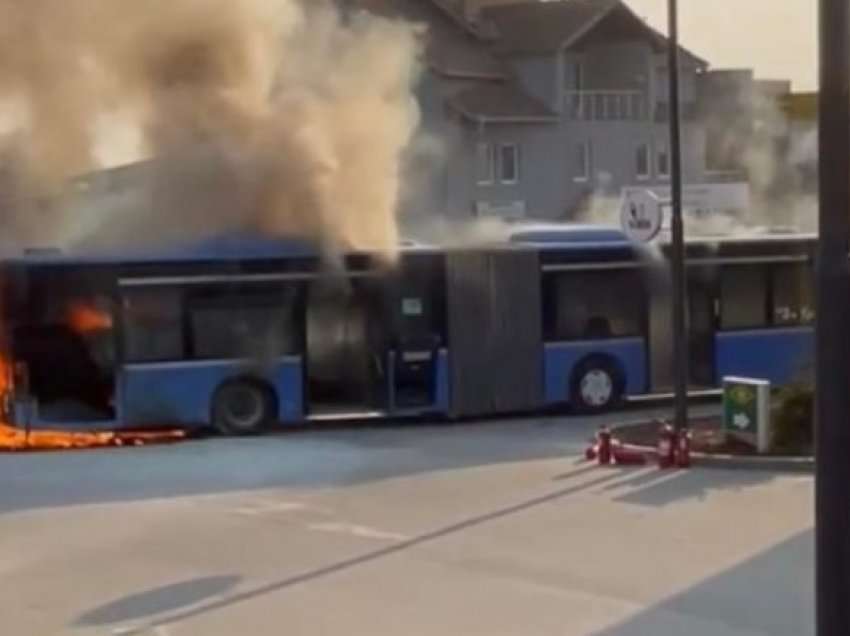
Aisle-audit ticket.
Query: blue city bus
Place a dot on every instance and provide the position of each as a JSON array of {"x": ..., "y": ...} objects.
[
  {"x": 245, "y": 334},
  {"x": 607, "y": 320}
]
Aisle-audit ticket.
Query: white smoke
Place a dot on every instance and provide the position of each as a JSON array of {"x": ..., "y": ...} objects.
[
  {"x": 274, "y": 115},
  {"x": 774, "y": 156}
]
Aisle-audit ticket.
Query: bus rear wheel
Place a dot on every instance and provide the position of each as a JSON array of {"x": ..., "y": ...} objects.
[
  {"x": 242, "y": 408},
  {"x": 597, "y": 385}
]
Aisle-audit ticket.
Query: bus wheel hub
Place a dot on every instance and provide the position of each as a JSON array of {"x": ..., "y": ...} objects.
[{"x": 597, "y": 387}]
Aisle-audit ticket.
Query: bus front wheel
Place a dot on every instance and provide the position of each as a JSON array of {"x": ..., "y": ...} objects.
[
  {"x": 242, "y": 407},
  {"x": 597, "y": 385}
]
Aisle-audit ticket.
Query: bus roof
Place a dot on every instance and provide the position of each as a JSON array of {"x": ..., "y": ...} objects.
[
  {"x": 247, "y": 247},
  {"x": 564, "y": 235},
  {"x": 231, "y": 247},
  {"x": 744, "y": 238}
]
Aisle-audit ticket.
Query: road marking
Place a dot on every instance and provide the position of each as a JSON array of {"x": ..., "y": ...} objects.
[
  {"x": 275, "y": 507},
  {"x": 364, "y": 532},
  {"x": 140, "y": 630}
]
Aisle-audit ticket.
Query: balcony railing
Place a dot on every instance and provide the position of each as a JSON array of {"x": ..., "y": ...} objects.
[{"x": 606, "y": 106}]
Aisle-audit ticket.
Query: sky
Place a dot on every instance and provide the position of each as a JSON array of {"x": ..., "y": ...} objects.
[{"x": 778, "y": 38}]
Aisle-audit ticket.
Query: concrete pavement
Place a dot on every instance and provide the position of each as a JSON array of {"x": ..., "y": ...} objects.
[{"x": 463, "y": 529}]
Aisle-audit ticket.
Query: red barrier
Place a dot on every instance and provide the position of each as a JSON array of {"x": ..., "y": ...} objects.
[
  {"x": 604, "y": 443},
  {"x": 683, "y": 449},
  {"x": 625, "y": 455},
  {"x": 666, "y": 447}
]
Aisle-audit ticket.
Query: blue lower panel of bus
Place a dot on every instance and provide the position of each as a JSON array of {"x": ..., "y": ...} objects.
[
  {"x": 561, "y": 358},
  {"x": 182, "y": 392},
  {"x": 778, "y": 355}
]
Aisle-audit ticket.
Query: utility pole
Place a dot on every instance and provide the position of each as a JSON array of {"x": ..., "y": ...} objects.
[
  {"x": 680, "y": 291},
  {"x": 832, "y": 400}
]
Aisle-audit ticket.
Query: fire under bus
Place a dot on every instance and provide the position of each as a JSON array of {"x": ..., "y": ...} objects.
[{"x": 244, "y": 334}]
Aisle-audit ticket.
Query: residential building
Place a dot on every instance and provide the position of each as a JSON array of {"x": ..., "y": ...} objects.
[
  {"x": 801, "y": 139},
  {"x": 543, "y": 105},
  {"x": 540, "y": 108}
]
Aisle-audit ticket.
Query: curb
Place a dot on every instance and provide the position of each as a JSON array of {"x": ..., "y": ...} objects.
[
  {"x": 777, "y": 463},
  {"x": 774, "y": 464}
]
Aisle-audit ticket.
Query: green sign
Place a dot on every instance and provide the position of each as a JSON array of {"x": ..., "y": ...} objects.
[{"x": 746, "y": 410}]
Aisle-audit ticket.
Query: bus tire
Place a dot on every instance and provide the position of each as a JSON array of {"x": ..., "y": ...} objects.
[
  {"x": 243, "y": 407},
  {"x": 597, "y": 385}
]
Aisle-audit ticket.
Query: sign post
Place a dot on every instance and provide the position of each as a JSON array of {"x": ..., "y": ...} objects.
[
  {"x": 832, "y": 401},
  {"x": 677, "y": 231},
  {"x": 641, "y": 215},
  {"x": 746, "y": 411}
]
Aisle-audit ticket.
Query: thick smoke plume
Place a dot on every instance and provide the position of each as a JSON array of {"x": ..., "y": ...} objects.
[{"x": 273, "y": 115}]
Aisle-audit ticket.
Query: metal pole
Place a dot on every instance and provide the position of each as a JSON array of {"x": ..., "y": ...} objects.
[
  {"x": 680, "y": 291},
  {"x": 832, "y": 410}
]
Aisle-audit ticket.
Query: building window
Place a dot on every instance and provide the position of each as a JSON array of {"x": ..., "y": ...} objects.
[
  {"x": 484, "y": 164},
  {"x": 583, "y": 161},
  {"x": 662, "y": 159},
  {"x": 508, "y": 163},
  {"x": 642, "y": 161},
  {"x": 578, "y": 75}
]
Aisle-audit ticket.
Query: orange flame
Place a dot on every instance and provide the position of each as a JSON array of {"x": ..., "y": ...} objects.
[
  {"x": 84, "y": 318},
  {"x": 16, "y": 439},
  {"x": 13, "y": 438},
  {"x": 5, "y": 377}
]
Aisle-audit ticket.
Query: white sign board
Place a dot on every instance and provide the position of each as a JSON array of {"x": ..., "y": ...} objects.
[
  {"x": 641, "y": 215},
  {"x": 746, "y": 411},
  {"x": 511, "y": 210},
  {"x": 704, "y": 199}
]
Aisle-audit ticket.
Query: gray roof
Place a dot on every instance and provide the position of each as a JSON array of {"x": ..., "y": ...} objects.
[
  {"x": 543, "y": 27},
  {"x": 452, "y": 47},
  {"x": 455, "y": 50},
  {"x": 500, "y": 102},
  {"x": 535, "y": 28}
]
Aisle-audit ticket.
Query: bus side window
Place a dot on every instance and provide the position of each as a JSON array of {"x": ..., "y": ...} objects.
[
  {"x": 743, "y": 297},
  {"x": 253, "y": 323},
  {"x": 153, "y": 328},
  {"x": 597, "y": 305},
  {"x": 793, "y": 295}
]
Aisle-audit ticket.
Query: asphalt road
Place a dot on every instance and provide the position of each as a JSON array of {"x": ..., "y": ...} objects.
[{"x": 492, "y": 528}]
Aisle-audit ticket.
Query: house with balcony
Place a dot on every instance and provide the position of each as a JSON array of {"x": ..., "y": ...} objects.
[
  {"x": 542, "y": 106},
  {"x": 539, "y": 109}
]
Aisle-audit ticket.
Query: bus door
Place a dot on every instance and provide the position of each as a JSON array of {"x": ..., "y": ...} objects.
[
  {"x": 347, "y": 346},
  {"x": 62, "y": 334},
  {"x": 702, "y": 302},
  {"x": 418, "y": 332}
]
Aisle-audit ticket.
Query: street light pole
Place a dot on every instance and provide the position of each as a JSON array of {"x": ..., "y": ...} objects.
[
  {"x": 680, "y": 291},
  {"x": 832, "y": 410}
]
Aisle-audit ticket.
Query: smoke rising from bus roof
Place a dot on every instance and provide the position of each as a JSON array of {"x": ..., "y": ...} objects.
[{"x": 272, "y": 115}]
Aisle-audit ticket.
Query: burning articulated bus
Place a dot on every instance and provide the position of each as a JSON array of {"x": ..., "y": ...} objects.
[{"x": 247, "y": 334}]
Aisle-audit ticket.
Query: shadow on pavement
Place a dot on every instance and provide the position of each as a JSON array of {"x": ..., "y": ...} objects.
[
  {"x": 306, "y": 458},
  {"x": 374, "y": 555},
  {"x": 640, "y": 480},
  {"x": 771, "y": 594},
  {"x": 662, "y": 488},
  {"x": 158, "y": 601},
  {"x": 311, "y": 458}
]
